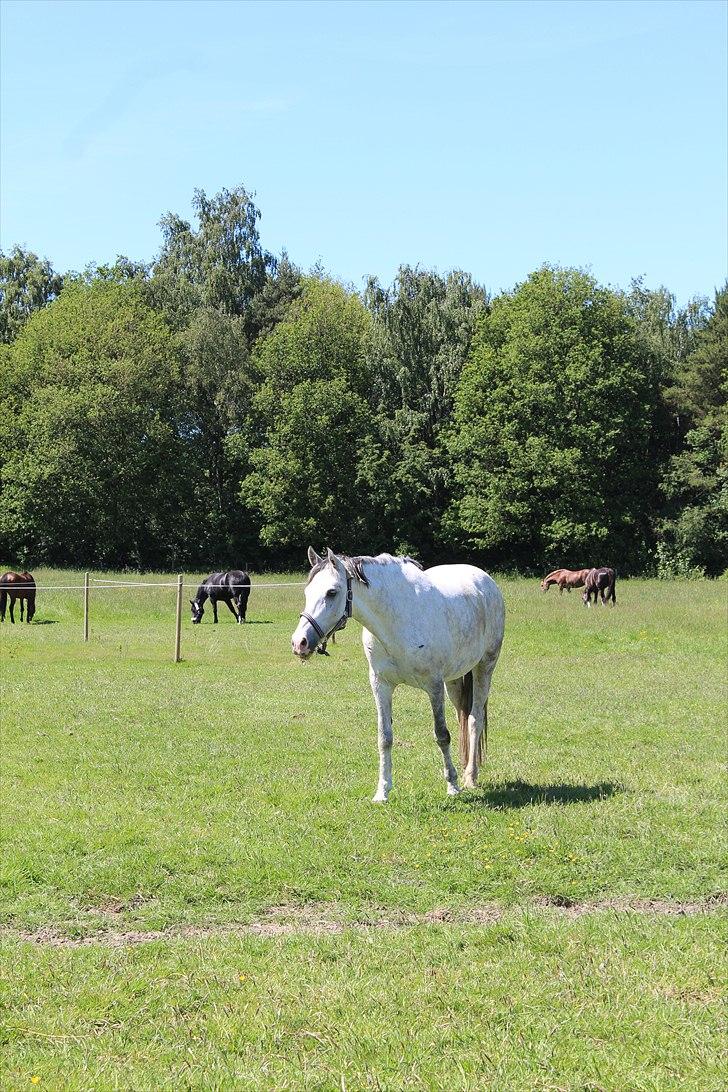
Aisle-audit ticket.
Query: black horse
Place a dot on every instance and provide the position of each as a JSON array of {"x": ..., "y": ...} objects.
[
  {"x": 232, "y": 588},
  {"x": 600, "y": 582}
]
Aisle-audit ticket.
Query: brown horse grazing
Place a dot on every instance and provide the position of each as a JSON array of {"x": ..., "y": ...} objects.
[
  {"x": 565, "y": 578},
  {"x": 17, "y": 586},
  {"x": 600, "y": 582}
]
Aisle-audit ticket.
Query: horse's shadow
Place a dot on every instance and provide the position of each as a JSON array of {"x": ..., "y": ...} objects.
[
  {"x": 522, "y": 794},
  {"x": 44, "y": 622}
]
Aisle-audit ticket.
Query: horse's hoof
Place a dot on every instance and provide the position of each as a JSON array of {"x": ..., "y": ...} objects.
[
  {"x": 468, "y": 783},
  {"x": 379, "y": 798},
  {"x": 453, "y": 790}
]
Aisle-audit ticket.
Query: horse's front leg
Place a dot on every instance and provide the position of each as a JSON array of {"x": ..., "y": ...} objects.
[
  {"x": 12, "y": 610},
  {"x": 214, "y": 609},
  {"x": 442, "y": 737},
  {"x": 382, "y": 692}
]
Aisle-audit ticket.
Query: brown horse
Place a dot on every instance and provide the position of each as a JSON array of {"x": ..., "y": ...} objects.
[
  {"x": 17, "y": 586},
  {"x": 600, "y": 582},
  {"x": 565, "y": 578}
]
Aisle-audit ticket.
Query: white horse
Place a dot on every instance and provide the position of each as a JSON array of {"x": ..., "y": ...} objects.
[{"x": 436, "y": 630}]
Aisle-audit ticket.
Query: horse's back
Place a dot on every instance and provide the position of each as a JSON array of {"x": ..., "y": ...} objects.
[
  {"x": 9, "y": 578},
  {"x": 474, "y": 602},
  {"x": 238, "y": 578}
]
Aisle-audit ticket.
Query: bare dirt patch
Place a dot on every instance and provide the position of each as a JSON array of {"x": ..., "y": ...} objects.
[{"x": 324, "y": 919}]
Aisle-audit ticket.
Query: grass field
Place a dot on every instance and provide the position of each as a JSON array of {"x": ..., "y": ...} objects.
[{"x": 288, "y": 933}]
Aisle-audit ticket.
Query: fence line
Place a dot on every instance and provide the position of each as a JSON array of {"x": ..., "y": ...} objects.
[
  {"x": 104, "y": 584},
  {"x": 110, "y": 585}
]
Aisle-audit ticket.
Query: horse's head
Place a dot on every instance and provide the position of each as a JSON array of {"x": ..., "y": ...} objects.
[
  {"x": 197, "y": 612},
  {"x": 325, "y": 602},
  {"x": 544, "y": 585}
]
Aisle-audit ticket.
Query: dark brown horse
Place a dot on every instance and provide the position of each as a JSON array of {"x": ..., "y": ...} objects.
[
  {"x": 600, "y": 582},
  {"x": 566, "y": 579},
  {"x": 17, "y": 586}
]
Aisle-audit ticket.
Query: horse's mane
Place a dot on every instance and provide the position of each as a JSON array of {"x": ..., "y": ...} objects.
[{"x": 355, "y": 565}]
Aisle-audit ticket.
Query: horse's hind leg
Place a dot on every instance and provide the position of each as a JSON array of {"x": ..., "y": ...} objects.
[
  {"x": 442, "y": 737},
  {"x": 12, "y": 610},
  {"x": 478, "y": 718},
  {"x": 3, "y": 604},
  {"x": 22, "y": 609},
  {"x": 232, "y": 610}
]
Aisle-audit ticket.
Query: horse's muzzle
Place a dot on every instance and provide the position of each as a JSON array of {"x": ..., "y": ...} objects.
[{"x": 301, "y": 646}]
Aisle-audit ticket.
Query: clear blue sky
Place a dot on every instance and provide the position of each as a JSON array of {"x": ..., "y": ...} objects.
[{"x": 489, "y": 137}]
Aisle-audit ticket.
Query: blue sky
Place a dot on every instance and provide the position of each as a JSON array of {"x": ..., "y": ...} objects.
[{"x": 489, "y": 137}]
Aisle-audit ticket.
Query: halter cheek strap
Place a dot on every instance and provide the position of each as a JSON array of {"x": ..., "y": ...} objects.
[{"x": 340, "y": 624}]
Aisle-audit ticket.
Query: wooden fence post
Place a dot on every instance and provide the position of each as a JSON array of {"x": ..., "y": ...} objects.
[
  {"x": 85, "y": 607},
  {"x": 178, "y": 627}
]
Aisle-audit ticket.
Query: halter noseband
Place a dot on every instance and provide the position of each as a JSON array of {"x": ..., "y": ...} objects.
[{"x": 340, "y": 624}]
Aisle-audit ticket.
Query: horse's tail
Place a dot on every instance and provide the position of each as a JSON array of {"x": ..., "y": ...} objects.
[{"x": 466, "y": 705}]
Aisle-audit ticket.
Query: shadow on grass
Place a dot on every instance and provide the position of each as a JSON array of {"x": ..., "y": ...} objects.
[
  {"x": 44, "y": 622},
  {"x": 249, "y": 622},
  {"x": 522, "y": 794}
]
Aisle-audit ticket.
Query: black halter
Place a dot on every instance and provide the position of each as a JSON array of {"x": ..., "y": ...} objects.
[{"x": 324, "y": 637}]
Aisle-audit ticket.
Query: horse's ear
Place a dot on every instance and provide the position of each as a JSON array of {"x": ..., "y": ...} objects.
[
  {"x": 333, "y": 560},
  {"x": 313, "y": 558}
]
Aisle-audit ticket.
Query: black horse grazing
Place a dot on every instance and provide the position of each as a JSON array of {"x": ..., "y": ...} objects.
[
  {"x": 599, "y": 582},
  {"x": 17, "y": 586},
  {"x": 232, "y": 588}
]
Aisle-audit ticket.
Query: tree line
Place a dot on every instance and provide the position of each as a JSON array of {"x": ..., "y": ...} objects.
[{"x": 218, "y": 406}]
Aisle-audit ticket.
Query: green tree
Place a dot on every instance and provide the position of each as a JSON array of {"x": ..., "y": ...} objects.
[
  {"x": 305, "y": 482},
  {"x": 94, "y": 469},
  {"x": 423, "y": 329},
  {"x": 219, "y": 265},
  {"x": 27, "y": 283},
  {"x": 553, "y": 428},
  {"x": 220, "y": 290},
  {"x": 312, "y": 423},
  {"x": 694, "y": 530}
]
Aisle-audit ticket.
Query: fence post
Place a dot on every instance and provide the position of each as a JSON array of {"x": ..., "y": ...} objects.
[
  {"x": 178, "y": 627},
  {"x": 85, "y": 607}
]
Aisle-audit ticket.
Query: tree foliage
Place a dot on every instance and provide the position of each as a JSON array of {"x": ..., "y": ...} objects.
[
  {"x": 313, "y": 423},
  {"x": 694, "y": 532},
  {"x": 422, "y": 332},
  {"x": 215, "y": 408},
  {"x": 552, "y": 427},
  {"x": 93, "y": 469},
  {"x": 27, "y": 283}
]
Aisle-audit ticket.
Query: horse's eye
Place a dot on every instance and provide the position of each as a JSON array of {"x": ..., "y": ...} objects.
[{"x": 331, "y": 593}]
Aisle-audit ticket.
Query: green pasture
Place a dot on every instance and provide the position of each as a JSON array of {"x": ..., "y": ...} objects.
[{"x": 143, "y": 795}]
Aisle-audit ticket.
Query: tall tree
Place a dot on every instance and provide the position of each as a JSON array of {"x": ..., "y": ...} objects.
[
  {"x": 94, "y": 469},
  {"x": 694, "y": 532},
  {"x": 27, "y": 283},
  {"x": 423, "y": 329},
  {"x": 553, "y": 427},
  {"x": 313, "y": 422},
  {"x": 219, "y": 265},
  {"x": 220, "y": 290}
]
